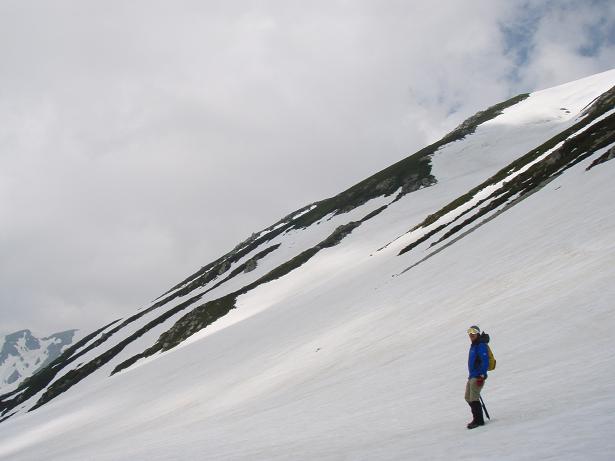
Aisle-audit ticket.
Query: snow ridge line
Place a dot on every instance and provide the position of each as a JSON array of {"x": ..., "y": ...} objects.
[{"x": 522, "y": 179}]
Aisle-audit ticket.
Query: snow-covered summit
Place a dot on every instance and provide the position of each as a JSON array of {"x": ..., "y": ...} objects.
[{"x": 22, "y": 354}]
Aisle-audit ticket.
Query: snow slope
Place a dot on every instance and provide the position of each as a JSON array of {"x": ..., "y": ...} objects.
[{"x": 355, "y": 356}]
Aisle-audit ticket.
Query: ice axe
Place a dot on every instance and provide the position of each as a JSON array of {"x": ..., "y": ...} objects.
[{"x": 484, "y": 407}]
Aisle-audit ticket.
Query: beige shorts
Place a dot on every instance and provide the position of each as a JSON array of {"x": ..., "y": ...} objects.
[{"x": 472, "y": 390}]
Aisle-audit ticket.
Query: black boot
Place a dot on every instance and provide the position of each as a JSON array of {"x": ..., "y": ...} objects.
[
  {"x": 470, "y": 403},
  {"x": 477, "y": 412}
]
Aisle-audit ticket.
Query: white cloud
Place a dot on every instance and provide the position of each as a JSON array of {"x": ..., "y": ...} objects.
[{"x": 564, "y": 41}]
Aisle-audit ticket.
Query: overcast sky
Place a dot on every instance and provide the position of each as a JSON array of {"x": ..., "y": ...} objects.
[{"x": 139, "y": 140}]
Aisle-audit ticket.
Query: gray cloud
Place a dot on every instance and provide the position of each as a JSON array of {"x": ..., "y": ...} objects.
[{"x": 142, "y": 139}]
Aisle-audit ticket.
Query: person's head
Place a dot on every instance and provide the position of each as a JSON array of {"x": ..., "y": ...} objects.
[{"x": 473, "y": 332}]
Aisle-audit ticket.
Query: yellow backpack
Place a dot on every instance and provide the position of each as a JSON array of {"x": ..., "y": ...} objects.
[
  {"x": 492, "y": 360},
  {"x": 484, "y": 338}
]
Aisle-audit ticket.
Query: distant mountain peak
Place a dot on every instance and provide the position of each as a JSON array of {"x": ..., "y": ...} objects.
[{"x": 23, "y": 354}]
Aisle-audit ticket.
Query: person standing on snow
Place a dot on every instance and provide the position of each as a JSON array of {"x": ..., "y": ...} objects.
[{"x": 478, "y": 362}]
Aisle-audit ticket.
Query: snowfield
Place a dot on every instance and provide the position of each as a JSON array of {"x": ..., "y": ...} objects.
[{"x": 348, "y": 358}]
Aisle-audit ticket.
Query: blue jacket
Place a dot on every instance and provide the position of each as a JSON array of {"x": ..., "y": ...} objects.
[{"x": 478, "y": 359}]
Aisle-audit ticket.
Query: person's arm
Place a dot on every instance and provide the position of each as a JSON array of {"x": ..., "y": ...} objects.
[{"x": 483, "y": 353}]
